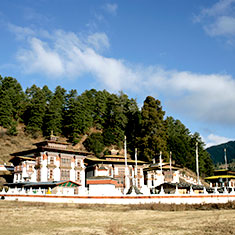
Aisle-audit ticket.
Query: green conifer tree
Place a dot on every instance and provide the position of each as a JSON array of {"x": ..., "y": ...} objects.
[
  {"x": 94, "y": 143},
  {"x": 115, "y": 120},
  {"x": 53, "y": 120},
  {"x": 35, "y": 112},
  {"x": 6, "y": 110},
  {"x": 152, "y": 137},
  {"x": 178, "y": 141},
  {"x": 16, "y": 95}
]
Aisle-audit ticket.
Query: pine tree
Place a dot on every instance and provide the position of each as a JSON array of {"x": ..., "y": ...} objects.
[
  {"x": 77, "y": 117},
  {"x": 16, "y": 95},
  {"x": 35, "y": 111},
  {"x": 70, "y": 103},
  {"x": 53, "y": 120},
  {"x": 115, "y": 120},
  {"x": 94, "y": 143},
  {"x": 48, "y": 94},
  {"x": 101, "y": 98},
  {"x": 132, "y": 128},
  {"x": 178, "y": 141},
  {"x": 152, "y": 137},
  {"x": 6, "y": 110}
]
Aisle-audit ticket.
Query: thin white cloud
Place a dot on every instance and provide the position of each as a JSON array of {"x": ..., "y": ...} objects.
[
  {"x": 219, "y": 19},
  {"x": 31, "y": 14},
  {"x": 224, "y": 25},
  {"x": 213, "y": 139},
  {"x": 219, "y": 8},
  {"x": 204, "y": 97},
  {"x": 20, "y": 32},
  {"x": 99, "y": 41},
  {"x": 40, "y": 58},
  {"x": 111, "y": 8}
]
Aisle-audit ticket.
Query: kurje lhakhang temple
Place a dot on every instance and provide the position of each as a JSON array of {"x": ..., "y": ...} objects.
[{"x": 54, "y": 171}]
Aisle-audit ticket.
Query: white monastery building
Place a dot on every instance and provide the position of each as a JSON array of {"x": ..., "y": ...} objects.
[{"x": 54, "y": 164}]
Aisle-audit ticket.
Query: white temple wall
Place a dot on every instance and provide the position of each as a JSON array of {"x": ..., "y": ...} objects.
[
  {"x": 72, "y": 171},
  {"x": 44, "y": 173},
  {"x": 33, "y": 176},
  {"x": 167, "y": 199},
  {"x": 56, "y": 170},
  {"x": 102, "y": 189},
  {"x": 83, "y": 178},
  {"x": 24, "y": 171},
  {"x": 176, "y": 178}
]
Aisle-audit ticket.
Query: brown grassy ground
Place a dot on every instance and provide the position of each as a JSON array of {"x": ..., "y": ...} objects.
[
  {"x": 39, "y": 218},
  {"x": 11, "y": 144}
]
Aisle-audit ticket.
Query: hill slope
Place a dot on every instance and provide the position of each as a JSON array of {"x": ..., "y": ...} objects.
[
  {"x": 11, "y": 144},
  {"x": 217, "y": 152}
]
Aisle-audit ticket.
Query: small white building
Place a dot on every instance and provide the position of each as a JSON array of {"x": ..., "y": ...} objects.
[
  {"x": 113, "y": 166},
  {"x": 157, "y": 174}
]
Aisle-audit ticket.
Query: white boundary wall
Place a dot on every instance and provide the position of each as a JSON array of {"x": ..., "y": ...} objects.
[{"x": 128, "y": 199}]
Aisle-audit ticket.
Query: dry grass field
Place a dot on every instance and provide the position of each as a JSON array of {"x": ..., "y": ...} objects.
[{"x": 38, "y": 218}]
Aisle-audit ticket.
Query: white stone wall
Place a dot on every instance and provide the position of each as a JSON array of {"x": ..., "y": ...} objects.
[
  {"x": 167, "y": 199},
  {"x": 142, "y": 178},
  {"x": 57, "y": 168},
  {"x": 103, "y": 189},
  {"x": 176, "y": 178},
  {"x": 44, "y": 173},
  {"x": 72, "y": 171},
  {"x": 24, "y": 171}
]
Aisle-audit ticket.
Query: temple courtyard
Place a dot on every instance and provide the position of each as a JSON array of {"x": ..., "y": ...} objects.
[{"x": 40, "y": 218}]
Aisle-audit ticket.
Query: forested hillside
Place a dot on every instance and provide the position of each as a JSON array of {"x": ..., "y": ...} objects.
[
  {"x": 104, "y": 117},
  {"x": 217, "y": 152}
]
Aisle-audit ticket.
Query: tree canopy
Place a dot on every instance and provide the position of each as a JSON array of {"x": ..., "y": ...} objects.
[{"x": 105, "y": 118}]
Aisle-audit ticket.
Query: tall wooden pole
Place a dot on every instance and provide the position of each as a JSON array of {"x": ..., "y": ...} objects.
[
  {"x": 135, "y": 167},
  {"x": 126, "y": 168},
  {"x": 125, "y": 153},
  {"x": 170, "y": 163},
  {"x": 160, "y": 160},
  {"x": 225, "y": 159},
  {"x": 197, "y": 166}
]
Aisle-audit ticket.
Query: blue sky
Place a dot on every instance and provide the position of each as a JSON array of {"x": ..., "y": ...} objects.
[{"x": 181, "y": 52}]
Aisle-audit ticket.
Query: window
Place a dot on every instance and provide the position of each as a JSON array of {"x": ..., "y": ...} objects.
[
  {"x": 30, "y": 168},
  {"x": 65, "y": 174},
  {"x": 51, "y": 160},
  {"x": 65, "y": 161},
  {"x": 121, "y": 171},
  {"x": 120, "y": 181},
  {"x": 78, "y": 175},
  {"x": 38, "y": 175},
  {"x": 50, "y": 173},
  {"x": 78, "y": 163}
]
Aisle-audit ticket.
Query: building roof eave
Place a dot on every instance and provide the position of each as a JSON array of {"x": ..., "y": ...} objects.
[
  {"x": 93, "y": 159},
  {"x": 214, "y": 177}
]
